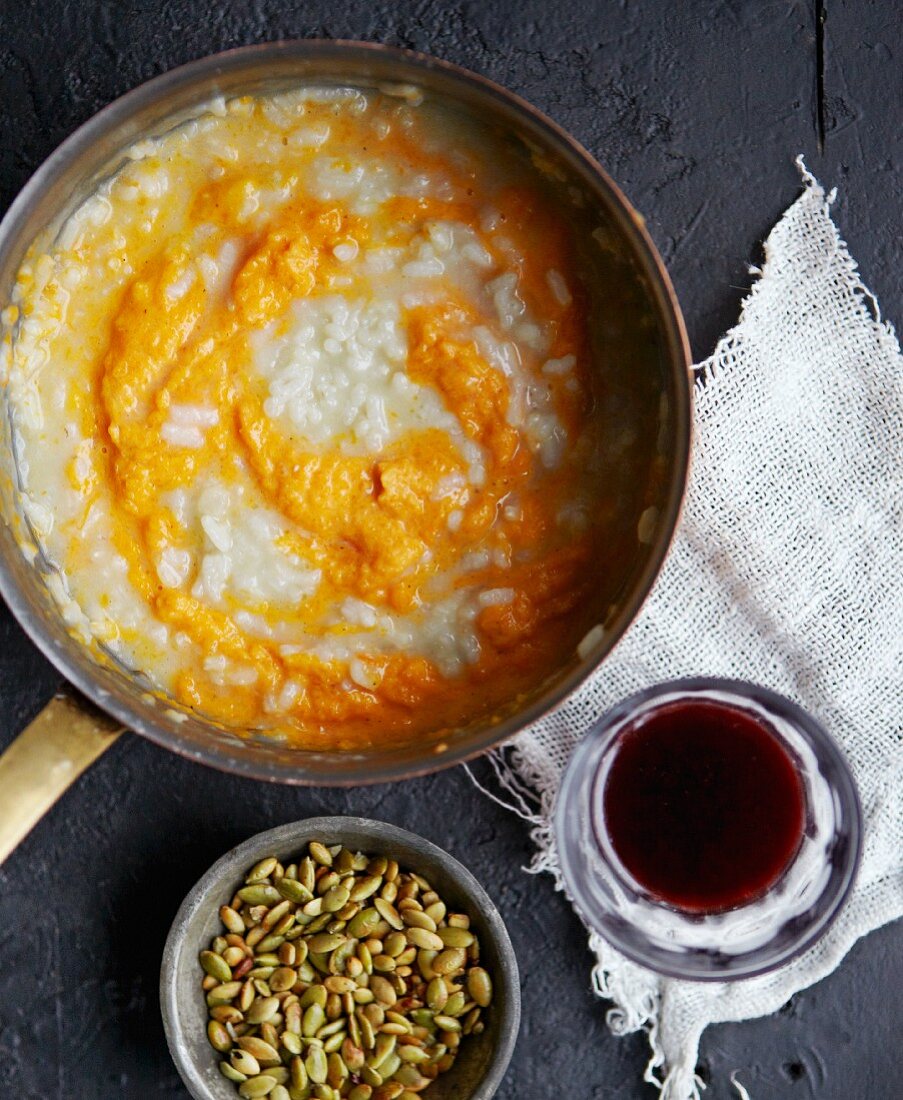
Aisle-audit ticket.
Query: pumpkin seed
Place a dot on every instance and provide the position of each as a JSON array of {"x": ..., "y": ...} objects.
[
  {"x": 262, "y": 1010},
  {"x": 336, "y": 898},
  {"x": 314, "y": 1018},
  {"x": 337, "y": 1071},
  {"x": 316, "y": 1065},
  {"x": 219, "y": 1038},
  {"x": 231, "y": 1073},
  {"x": 385, "y": 1045},
  {"x": 316, "y": 995},
  {"x": 261, "y": 870},
  {"x": 455, "y": 937},
  {"x": 259, "y": 895},
  {"x": 324, "y": 942},
  {"x": 245, "y": 1063},
  {"x": 388, "y": 912},
  {"x": 479, "y": 986},
  {"x": 261, "y": 1050},
  {"x": 256, "y": 1087},
  {"x": 293, "y": 891},
  {"x": 223, "y": 994},
  {"x": 390, "y": 1067},
  {"x": 292, "y": 1042},
  {"x": 413, "y": 1054},
  {"x": 231, "y": 919},
  {"x": 449, "y": 960},
  {"x": 298, "y": 1073},
  {"x": 216, "y": 966},
  {"x": 416, "y": 918},
  {"x": 423, "y": 938},
  {"x": 320, "y": 853}
]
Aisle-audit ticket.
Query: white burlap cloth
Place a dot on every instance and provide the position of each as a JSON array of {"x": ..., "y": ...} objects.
[{"x": 787, "y": 570}]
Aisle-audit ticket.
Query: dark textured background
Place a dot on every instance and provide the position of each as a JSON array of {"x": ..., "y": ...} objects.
[{"x": 698, "y": 109}]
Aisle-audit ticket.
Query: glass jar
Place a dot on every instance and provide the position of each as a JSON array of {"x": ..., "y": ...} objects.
[{"x": 750, "y": 938}]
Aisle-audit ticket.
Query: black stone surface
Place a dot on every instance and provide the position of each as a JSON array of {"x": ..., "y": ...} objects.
[{"x": 698, "y": 109}]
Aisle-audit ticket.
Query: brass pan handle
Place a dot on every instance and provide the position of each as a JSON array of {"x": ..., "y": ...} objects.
[{"x": 45, "y": 759}]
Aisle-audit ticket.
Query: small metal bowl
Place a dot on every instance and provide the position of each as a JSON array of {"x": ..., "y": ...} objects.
[{"x": 479, "y": 1068}]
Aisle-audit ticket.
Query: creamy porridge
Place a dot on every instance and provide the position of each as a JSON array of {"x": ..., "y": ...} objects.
[{"x": 302, "y": 411}]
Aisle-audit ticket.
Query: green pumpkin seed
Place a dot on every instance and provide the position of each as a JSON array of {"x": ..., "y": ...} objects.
[
  {"x": 368, "y": 1035},
  {"x": 316, "y": 1065},
  {"x": 261, "y": 1050},
  {"x": 365, "y": 887},
  {"x": 316, "y": 995},
  {"x": 362, "y": 925},
  {"x": 385, "y": 1044},
  {"x": 219, "y": 1038},
  {"x": 436, "y": 994},
  {"x": 416, "y": 918},
  {"x": 447, "y": 1023},
  {"x": 283, "y": 979},
  {"x": 411, "y": 1077},
  {"x": 293, "y": 890},
  {"x": 216, "y": 966},
  {"x": 261, "y": 870},
  {"x": 298, "y": 1073},
  {"x": 455, "y": 937},
  {"x": 223, "y": 994},
  {"x": 245, "y": 1063},
  {"x": 231, "y": 919},
  {"x": 336, "y": 898},
  {"x": 331, "y": 1028},
  {"x": 291, "y": 1041},
  {"x": 449, "y": 960},
  {"x": 390, "y": 1067},
  {"x": 231, "y": 1073},
  {"x": 324, "y": 942},
  {"x": 259, "y": 895},
  {"x": 479, "y": 986},
  {"x": 371, "y": 1076},
  {"x": 389, "y": 913},
  {"x": 412, "y": 1054},
  {"x": 382, "y": 990},
  {"x": 352, "y": 1056},
  {"x": 337, "y": 984},
  {"x": 337, "y": 1071},
  {"x": 314, "y": 1018},
  {"x": 425, "y": 963},
  {"x": 256, "y": 1087},
  {"x": 334, "y": 1042},
  {"x": 320, "y": 853},
  {"x": 226, "y": 1014},
  {"x": 262, "y": 1010},
  {"x": 424, "y": 938},
  {"x": 280, "y": 1092}
]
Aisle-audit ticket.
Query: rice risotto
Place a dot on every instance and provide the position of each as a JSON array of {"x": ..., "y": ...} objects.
[{"x": 303, "y": 416}]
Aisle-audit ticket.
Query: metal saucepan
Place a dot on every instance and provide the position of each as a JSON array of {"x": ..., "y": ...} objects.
[{"x": 636, "y": 318}]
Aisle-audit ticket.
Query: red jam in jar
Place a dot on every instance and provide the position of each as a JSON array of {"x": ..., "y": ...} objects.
[{"x": 703, "y": 805}]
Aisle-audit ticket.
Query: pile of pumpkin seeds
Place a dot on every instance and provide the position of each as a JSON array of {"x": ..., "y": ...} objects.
[{"x": 340, "y": 975}]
